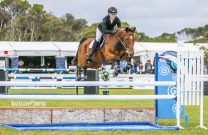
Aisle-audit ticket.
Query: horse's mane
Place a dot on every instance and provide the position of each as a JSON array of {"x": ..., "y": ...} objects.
[{"x": 82, "y": 40}]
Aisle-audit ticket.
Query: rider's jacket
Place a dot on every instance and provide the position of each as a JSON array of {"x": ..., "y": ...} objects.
[{"x": 106, "y": 26}]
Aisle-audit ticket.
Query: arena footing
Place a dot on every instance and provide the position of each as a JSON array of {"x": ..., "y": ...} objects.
[{"x": 138, "y": 126}]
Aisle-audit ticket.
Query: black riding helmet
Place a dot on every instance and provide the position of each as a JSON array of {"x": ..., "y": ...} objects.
[{"x": 112, "y": 10}]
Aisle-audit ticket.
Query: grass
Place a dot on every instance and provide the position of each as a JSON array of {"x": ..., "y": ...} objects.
[{"x": 192, "y": 111}]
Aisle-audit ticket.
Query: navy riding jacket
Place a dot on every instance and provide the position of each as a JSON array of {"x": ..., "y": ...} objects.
[{"x": 106, "y": 26}]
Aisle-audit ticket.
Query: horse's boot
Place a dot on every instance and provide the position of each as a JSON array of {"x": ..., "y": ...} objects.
[{"x": 94, "y": 46}]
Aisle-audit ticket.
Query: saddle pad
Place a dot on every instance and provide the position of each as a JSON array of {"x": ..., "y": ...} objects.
[{"x": 90, "y": 46}]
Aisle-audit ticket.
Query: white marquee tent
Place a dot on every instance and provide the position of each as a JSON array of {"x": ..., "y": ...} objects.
[
  {"x": 34, "y": 48},
  {"x": 145, "y": 49},
  {"x": 4, "y": 46}
]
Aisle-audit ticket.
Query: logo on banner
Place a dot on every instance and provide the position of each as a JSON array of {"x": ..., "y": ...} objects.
[
  {"x": 174, "y": 77},
  {"x": 172, "y": 90},
  {"x": 5, "y": 52},
  {"x": 122, "y": 80},
  {"x": 174, "y": 109},
  {"x": 164, "y": 70}
]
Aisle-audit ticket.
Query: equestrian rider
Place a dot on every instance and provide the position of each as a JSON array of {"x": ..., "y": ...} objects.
[{"x": 105, "y": 27}]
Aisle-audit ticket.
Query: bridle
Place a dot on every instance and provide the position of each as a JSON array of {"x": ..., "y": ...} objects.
[{"x": 123, "y": 41}]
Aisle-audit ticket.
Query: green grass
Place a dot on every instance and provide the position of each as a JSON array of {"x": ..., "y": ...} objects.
[{"x": 192, "y": 111}]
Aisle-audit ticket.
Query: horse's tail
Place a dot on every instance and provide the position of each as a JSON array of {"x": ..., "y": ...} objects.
[{"x": 74, "y": 60}]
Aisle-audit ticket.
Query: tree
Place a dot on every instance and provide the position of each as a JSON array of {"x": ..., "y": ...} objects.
[
  {"x": 4, "y": 23},
  {"x": 32, "y": 22},
  {"x": 56, "y": 29},
  {"x": 205, "y": 49},
  {"x": 14, "y": 8},
  {"x": 74, "y": 26}
]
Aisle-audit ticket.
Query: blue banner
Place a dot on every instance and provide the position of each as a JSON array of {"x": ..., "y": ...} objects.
[
  {"x": 60, "y": 63},
  {"x": 14, "y": 62}
]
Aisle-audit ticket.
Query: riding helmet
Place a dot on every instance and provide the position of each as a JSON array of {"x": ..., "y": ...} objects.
[{"x": 112, "y": 10}]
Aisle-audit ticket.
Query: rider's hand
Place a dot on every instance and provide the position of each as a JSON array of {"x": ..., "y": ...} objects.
[{"x": 114, "y": 31}]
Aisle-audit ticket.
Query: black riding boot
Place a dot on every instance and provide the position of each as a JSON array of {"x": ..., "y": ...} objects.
[{"x": 94, "y": 46}]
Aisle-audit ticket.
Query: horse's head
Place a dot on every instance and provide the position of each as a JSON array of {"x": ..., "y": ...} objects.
[{"x": 126, "y": 37}]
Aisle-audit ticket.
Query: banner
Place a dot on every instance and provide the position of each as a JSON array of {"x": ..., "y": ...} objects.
[
  {"x": 14, "y": 62},
  {"x": 60, "y": 63},
  {"x": 170, "y": 58}
]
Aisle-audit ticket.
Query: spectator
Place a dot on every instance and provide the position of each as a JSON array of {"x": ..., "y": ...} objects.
[
  {"x": 133, "y": 66},
  {"x": 140, "y": 68},
  {"x": 47, "y": 65},
  {"x": 122, "y": 65},
  {"x": 30, "y": 64},
  {"x": 148, "y": 67},
  {"x": 20, "y": 63}
]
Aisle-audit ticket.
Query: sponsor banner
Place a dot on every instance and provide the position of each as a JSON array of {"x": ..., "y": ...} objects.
[
  {"x": 68, "y": 80},
  {"x": 144, "y": 80},
  {"x": 2, "y": 64},
  {"x": 116, "y": 79},
  {"x": 31, "y": 80}
]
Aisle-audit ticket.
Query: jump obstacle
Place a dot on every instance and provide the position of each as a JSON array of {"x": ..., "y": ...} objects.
[
  {"x": 36, "y": 69},
  {"x": 189, "y": 85}
]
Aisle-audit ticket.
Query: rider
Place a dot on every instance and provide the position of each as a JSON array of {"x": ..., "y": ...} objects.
[{"x": 105, "y": 27}]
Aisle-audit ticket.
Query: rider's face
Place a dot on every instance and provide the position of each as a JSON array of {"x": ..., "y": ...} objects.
[{"x": 112, "y": 16}]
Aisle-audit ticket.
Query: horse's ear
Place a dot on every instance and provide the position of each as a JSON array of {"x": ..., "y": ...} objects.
[
  {"x": 133, "y": 29},
  {"x": 127, "y": 29}
]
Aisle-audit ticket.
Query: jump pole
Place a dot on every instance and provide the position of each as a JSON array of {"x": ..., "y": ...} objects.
[
  {"x": 87, "y": 83},
  {"x": 86, "y": 97}
]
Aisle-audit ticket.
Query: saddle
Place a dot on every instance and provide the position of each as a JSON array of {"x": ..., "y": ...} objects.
[{"x": 100, "y": 43}]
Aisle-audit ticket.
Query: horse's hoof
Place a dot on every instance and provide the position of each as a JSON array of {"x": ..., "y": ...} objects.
[
  {"x": 79, "y": 79},
  {"x": 115, "y": 74}
]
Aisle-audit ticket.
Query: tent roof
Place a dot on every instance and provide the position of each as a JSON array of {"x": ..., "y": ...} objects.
[
  {"x": 67, "y": 46},
  {"x": 4, "y": 46},
  {"x": 70, "y": 48},
  {"x": 166, "y": 46},
  {"x": 40, "y": 46}
]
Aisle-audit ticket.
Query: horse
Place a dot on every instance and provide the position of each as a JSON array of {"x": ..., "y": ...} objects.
[{"x": 116, "y": 47}]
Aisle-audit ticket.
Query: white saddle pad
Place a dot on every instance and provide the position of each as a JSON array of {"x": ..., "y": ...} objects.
[{"x": 90, "y": 46}]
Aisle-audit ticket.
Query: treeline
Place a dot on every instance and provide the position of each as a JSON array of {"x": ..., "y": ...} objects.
[{"x": 21, "y": 21}]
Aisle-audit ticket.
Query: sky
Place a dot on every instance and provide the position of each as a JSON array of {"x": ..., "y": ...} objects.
[{"x": 153, "y": 17}]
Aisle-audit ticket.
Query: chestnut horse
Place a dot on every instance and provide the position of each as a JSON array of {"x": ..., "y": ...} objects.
[{"x": 116, "y": 47}]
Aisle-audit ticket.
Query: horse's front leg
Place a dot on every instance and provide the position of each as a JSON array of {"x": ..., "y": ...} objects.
[
  {"x": 110, "y": 57},
  {"x": 117, "y": 69},
  {"x": 118, "y": 64}
]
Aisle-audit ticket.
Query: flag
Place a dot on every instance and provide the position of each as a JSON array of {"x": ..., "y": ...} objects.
[{"x": 5, "y": 52}]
